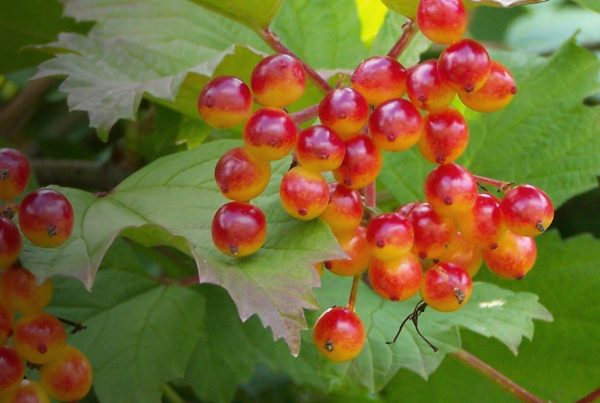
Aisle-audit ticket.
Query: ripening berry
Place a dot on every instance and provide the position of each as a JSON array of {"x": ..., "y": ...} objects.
[
  {"x": 344, "y": 212},
  {"x": 14, "y": 173},
  {"x": 442, "y": 21},
  {"x": 396, "y": 280},
  {"x": 10, "y": 242},
  {"x": 68, "y": 378},
  {"x": 527, "y": 210},
  {"x": 304, "y": 194},
  {"x": 513, "y": 258},
  {"x": 496, "y": 93},
  {"x": 320, "y": 149},
  {"x": 240, "y": 175},
  {"x": 345, "y": 111},
  {"x": 225, "y": 102},
  {"x": 12, "y": 371},
  {"x": 465, "y": 66},
  {"x": 395, "y": 125},
  {"x": 339, "y": 334},
  {"x": 6, "y": 322},
  {"x": 278, "y": 80},
  {"x": 451, "y": 190},
  {"x": 390, "y": 236},
  {"x": 464, "y": 254},
  {"x": 482, "y": 224},
  {"x": 239, "y": 229},
  {"x": 432, "y": 232},
  {"x": 29, "y": 392},
  {"x": 445, "y": 137},
  {"x": 46, "y": 218},
  {"x": 21, "y": 292},
  {"x": 405, "y": 209},
  {"x": 39, "y": 338},
  {"x": 361, "y": 164},
  {"x": 357, "y": 249},
  {"x": 270, "y": 134},
  {"x": 446, "y": 287},
  {"x": 425, "y": 87},
  {"x": 379, "y": 79}
]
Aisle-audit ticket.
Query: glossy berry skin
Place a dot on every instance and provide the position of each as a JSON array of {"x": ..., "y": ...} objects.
[
  {"x": 465, "y": 66},
  {"x": 14, "y": 173},
  {"x": 356, "y": 247},
  {"x": 21, "y": 292},
  {"x": 464, "y": 254},
  {"x": 39, "y": 338},
  {"x": 513, "y": 258},
  {"x": 432, "y": 232},
  {"x": 527, "y": 210},
  {"x": 225, "y": 102},
  {"x": 320, "y": 149},
  {"x": 425, "y": 87},
  {"x": 451, "y": 190},
  {"x": 496, "y": 93},
  {"x": 405, "y": 209},
  {"x": 395, "y": 125},
  {"x": 339, "y": 334},
  {"x": 345, "y": 111},
  {"x": 278, "y": 80},
  {"x": 304, "y": 194},
  {"x": 12, "y": 371},
  {"x": 396, "y": 280},
  {"x": 10, "y": 242},
  {"x": 379, "y": 79},
  {"x": 361, "y": 164},
  {"x": 344, "y": 212},
  {"x": 446, "y": 287},
  {"x": 6, "y": 322},
  {"x": 390, "y": 236},
  {"x": 445, "y": 137},
  {"x": 29, "y": 392},
  {"x": 240, "y": 175},
  {"x": 482, "y": 224},
  {"x": 68, "y": 378},
  {"x": 239, "y": 229},
  {"x": 270, "y": 134},
  {"x": 442, "y": 21},
  {"x": 46, "y": 218}
]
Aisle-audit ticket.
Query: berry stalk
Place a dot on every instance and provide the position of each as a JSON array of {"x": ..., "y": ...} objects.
[
  {"x": 305, "y": 114},
  {"x": 409, "y": 30},
  {"x": 501, "y": 185}
]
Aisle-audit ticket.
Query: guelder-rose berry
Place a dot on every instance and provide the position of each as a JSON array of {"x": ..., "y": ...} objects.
[
  {"x": 240, "y": 175},
  {"x": 14, "y": 173},
  {"x": 225, "y": 102},
  {"x": 6, "y": 322},
  {"x": 389, "y": 236},
  {"x": 426, "y": 89},
  {"x": 39, "y": 338},
  {"x": 442, "y": 21},
  {"x": 356, "y": 247},
  {"x": 432, "y": 232},
  {"x": 344, "y": 212},
  {"x": 482, "y": 224},
  {"x": 339, "y": 334},
  {"x": 379, "y": 79},
  {"x": 304, "y": 194},
  {"x": 465, "y": 66},
  {"x": 396, "y": 280},
  {"x": 446, "y": 287},
  {"x": 239, "y": 229},
  {"x": 527, "y": 210},
  {"x": 270, "y": 134},
  {"x": 464, "y": 254},
  {"x": 12, "y": 371},
  {"x": 10, "y": 242},
  {"x": 445, "y": 137},
  {"x": 345, "y": 111},
  {"x": 513, "y": 258},
  {"x": 46, "y": 218},
  {"x": 319, "y": 148},
  {"x": 278, "y": 80},
  {"x": 361, "y": 164},
  {"x": 496, "y": 93},
  {"x": 68, "y": 378},
  {"x": 451, "y": 190},
  {"x": 29, "y": 392},
  {"x": 395, "y": 125},
  {"x": 22, "y": 293}
]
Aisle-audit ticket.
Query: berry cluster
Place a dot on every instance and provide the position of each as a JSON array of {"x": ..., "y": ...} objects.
[
  {"x": 386, "y": 108},
  {"x": 26, "y": 332}
]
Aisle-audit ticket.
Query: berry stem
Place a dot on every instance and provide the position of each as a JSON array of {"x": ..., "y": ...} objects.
[
  {"x": 305, "y": 114},
  {"x": 353, "y": 292},
  {"x": 592, "y": 397},
  {"x": 501, "y": 185},
  {"x": 492, "y": 373},
  {"x": 409, "y": 30},
  {"x": 77, "y": 326},
  {"x": 275, "y": 43}
]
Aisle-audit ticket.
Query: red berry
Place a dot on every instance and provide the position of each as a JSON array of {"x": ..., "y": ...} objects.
[
  {"x": 513, "y": 258},
  {"x": 357, "y": 249},
  {"x": 396, "y": 280},
  {"x": 482, "y": 224},
  {"x": 345, "y": 111},
  {"x": 304, "y": 194},
  {"x": 12, "y": 371},
  {"x": 445, "y": 137},
  {"x": 464, "y": 254},
  {"x": 405, "y": 209},
  {"x": 240, "y": 175},
  {"x": 320, "y": 149},
  {"x": 46, "y": 218},
  {"x": 21, "y": 292},
  {"x": 6, "y": 321},
  {"x": 425, "y": 87},
  {"x": 30, "y": 392},
  {"x": 10, "y": 242},
  {"x": 239, "y": 229},
  {"x": 390, "y": 236},
  {"x": 39, "y": 338},
  {"x": 465, "y": 66},
  {"x": 446, "y": 287},
  {"x": 68, "y": 378},
  {"x": 395, "y": 125},
  {"x": 14, "y": 173},
  {"x": 225, "y": 102},
  {"x": 379, "y": 79},
  {"x": 344, "y": 212},
  {"x": 496, "y": 93},
  {"x": 442, "y": 21},
  {"x": 527, "y": 210},
  {"x": 432, "y": 232},
  {"x": 339, "y": 334},
  {"x": 270, "y": 134},
  {"x": 278, "y": 80},
  {"x": 451, "y": 190},
  {"x": 361, "y": 164}
]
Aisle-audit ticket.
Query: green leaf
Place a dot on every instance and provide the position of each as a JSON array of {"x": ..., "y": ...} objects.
[
  {"x": 255, "y": 14},
  {"x": 591, "y": 4}
]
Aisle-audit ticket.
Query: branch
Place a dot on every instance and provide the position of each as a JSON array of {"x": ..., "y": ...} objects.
[{"x": 409, "y": 30}]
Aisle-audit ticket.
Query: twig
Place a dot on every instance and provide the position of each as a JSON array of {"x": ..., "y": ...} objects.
[
  {"x": 501, "y": 185},
  {"x": 354, "y": 292},
  {"x": 409, "y": 30},
  {"x": 592, "y": 397},
  {"x": 305, "y": 114}
]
